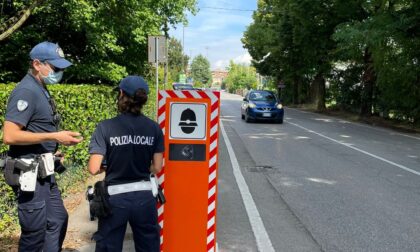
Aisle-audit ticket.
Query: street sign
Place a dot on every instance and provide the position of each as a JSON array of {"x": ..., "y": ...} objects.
[
  {"x": 182, "y": 78},
  {"x": 189, "y": 120},
  {"x": 157, "y": 47}
]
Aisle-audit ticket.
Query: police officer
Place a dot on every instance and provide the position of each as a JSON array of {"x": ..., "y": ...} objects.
[
  {"x": 132, "y": 146},
  {"x": 30, "y": 129}
]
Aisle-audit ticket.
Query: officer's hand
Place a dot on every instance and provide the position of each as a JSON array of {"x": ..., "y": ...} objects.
[{"x": 68, "y": 137}]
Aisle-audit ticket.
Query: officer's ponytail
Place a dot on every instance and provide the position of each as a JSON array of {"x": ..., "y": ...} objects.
[{"x": 132, "y": 105}]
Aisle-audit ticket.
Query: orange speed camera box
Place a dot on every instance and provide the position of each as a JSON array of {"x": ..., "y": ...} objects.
[{"x": 190, "y": 122}]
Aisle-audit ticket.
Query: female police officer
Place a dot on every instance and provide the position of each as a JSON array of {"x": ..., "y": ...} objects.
[{"x": 132, "y": 146}]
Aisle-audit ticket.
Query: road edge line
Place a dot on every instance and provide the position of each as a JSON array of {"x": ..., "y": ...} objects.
[{"x": 260, "y": 233}]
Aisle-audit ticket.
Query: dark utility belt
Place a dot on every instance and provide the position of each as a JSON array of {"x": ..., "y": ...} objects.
[{"x": 15, "y": 167}]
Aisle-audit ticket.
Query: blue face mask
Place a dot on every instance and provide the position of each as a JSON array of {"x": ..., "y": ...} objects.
[{"x": 53, "y": 77}]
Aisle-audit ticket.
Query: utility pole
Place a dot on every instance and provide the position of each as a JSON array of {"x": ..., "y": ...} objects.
[
  {"x": 183, "y": 48},
  {"x": 166, "y": 29}
]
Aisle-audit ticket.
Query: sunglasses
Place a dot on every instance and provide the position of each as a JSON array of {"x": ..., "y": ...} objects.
[{"x": 55, "y": 69}]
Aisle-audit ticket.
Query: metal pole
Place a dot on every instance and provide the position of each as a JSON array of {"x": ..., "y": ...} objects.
[
  {"x": 167, "y": 62},
  {"x": 157, "y": 73},
  {"x": 183, "y": 48}
]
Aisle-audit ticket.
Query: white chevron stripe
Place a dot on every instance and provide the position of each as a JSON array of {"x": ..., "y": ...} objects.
[
  {"x": 160, "y": 210},
  {"x": 214, "y": 129},
  {"x": 211, "y": 250},
  {"x": 161, "y": 224},
  {"x": 195, "y": 94},
  {"x": 162, "y": 102},
  {"x": 210, "y": 222},
  {"x": 210, "y": 238},
  {"x": 212, "y": 191},
  {"x": 212, "y": 96},
  {"x": 213, "y": 145},
  {"x": 212, "y": 176},
  {"x": 214, "y": 114},
  {"x": 179, "y": 94},
  {"x": 211, "y": 207},
  {"x": 213, "y": 160},
  {"x": 161, "y": 117}
]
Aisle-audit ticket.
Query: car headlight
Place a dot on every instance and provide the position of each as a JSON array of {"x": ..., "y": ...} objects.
[
  {"x": 251, "y": 105},
  {"x": 279, "y": 106}
]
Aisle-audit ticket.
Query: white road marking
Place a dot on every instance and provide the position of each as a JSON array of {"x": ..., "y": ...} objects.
[
  {"x": 357, "y": 149},
  {"x": 263, "y": 240},
  {"x": 361, "y": 125}
]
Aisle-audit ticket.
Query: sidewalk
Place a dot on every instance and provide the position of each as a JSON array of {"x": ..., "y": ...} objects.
[{"x": 80, "y": 229}]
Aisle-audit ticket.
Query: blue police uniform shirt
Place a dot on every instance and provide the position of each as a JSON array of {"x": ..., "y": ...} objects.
[
  {"x": 29, "y": 106},
  {"x": 127, "y": 143}
]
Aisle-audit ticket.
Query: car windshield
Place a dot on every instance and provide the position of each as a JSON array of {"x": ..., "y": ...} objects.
[
  {"x": 262, "y": 96},
  {"x": 183, "y": 87}
]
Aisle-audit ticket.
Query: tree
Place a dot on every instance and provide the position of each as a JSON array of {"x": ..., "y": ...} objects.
[
  {"x": 178, "y": 61},
  {"x": 241, "y": 77},
  {"x": 106, "y": 40},
  {"x": 7, "y": 27},
  {"x": 200, "y": 71}
]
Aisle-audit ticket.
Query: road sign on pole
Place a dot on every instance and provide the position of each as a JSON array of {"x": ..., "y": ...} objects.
[
  {"x": 157, "y": 54},
  {"x": 157, "y": 49}
]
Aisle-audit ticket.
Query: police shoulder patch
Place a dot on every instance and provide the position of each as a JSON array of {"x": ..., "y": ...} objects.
[{"x": 22, "y": 105}]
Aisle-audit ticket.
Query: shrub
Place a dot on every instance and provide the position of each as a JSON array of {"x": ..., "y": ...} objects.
[{"x": 81, "y": 108}]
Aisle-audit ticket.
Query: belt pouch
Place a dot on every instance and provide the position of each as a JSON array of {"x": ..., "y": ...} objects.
[
  {"x": 99, "y": 205},
  {"x": 11, "y": 174},
  {"x": 47, "y": 164},
  {"x": 27, "y": 179}
]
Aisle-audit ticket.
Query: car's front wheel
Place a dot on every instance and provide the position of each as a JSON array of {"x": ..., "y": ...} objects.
[{"x": 247, "y": 119}]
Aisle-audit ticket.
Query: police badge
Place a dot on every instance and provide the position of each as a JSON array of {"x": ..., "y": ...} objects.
[
  {"x": 22, "y": 105},
  {"x": 60, "y": 52}
]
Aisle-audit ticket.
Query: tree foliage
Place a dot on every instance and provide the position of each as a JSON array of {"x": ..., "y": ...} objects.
[
  {"x": 200, "y": 71},
  {"x": 241, "y": 77},
  {"x": 105, "y": 39},
  {"x": 367, "y": 51},
  {"x": 178, "y": 61}
]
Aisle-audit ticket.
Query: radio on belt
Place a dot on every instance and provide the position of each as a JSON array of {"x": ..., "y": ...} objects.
[{"x": 190, "y": 122}]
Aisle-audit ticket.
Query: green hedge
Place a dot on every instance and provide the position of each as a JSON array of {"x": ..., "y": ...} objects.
[{"x": 81, "y": 107}]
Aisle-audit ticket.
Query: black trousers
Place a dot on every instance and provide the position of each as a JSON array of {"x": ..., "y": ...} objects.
[
  {"x": 42, "y": 218},
  {"x": 140, "y": 210}
]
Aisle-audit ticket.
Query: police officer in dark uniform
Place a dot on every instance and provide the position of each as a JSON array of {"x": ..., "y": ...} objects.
[
  {"x": 132, "y": 146},
  {"x": 30, "y": 129}
]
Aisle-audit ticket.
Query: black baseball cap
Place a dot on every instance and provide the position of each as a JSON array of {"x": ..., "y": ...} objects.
[{"x": 132, "y": 83}]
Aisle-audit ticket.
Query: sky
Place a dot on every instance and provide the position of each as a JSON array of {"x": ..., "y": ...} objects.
[{"x": 216, "y": 33}]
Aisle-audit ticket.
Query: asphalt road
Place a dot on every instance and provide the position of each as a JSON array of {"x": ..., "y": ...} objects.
[{"x": 319, "y": 184}]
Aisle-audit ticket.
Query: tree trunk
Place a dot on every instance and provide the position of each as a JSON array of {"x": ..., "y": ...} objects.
[
  {"x": 318, "y": 87},
  {"x": 296, "y": 90},
  {"x": 368, "y": 84},
  {"x": 17, "y": 22}
]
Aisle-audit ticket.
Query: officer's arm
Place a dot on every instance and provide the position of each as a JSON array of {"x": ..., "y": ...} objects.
[
  {"x": 157, "y": 163},
  {"x": 95, "y": 163},
  {"x": 14, "y": 134}
]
